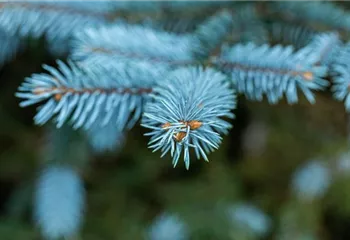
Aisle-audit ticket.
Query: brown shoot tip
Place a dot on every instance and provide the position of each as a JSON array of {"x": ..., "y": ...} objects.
[
  {"x": 194, "y": 124},
  {"x": 166, "y": 125},
  {"x": 58, "y": 96},
  {"x": 308, "y": 75},
  {"x": 179, "y": 136}
]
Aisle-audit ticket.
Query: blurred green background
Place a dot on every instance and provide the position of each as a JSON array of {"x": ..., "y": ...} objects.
[{"x": 129, "y": 188}]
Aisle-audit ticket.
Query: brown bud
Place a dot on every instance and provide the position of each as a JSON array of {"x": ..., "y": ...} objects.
[
  {"x": 308, "y": 75},
  {"x": 194, "y": 124},
  {"x": 179, "y": 136},
  {"x": 165, "y": 125},
  {"x": 58, "y": 96}
]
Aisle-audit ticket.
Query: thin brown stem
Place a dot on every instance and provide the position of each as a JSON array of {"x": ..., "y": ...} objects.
[
  {"x": 140, "y": 57},
  {"x": 64, "y": 90},
  {"x": 307, "y": 75}
]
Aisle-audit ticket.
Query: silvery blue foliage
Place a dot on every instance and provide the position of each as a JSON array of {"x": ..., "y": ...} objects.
[
  {"x": 297, "y": 35},
  {"x": 248, "y": 26},
  {"x": 272, "y": 71},
  {"x": 187, "y": 111},
  {"x": 181, "y": 5},
  {"x": 324, "y": 47},
  {"x": 340, "y": 72},
  {"x": 10, "y": 45},
  {"x": 168, "y": 227},
  {"x": 251, "y": 218},
  {"x": 242, "y": 23},
  {"x": 106, "y": 138},
  {"x": 221, "y": 23},
  {"x": 135, "y": 44},
  {"x": 178, "y": 26},
  {"x": 58, "y": 20},
  {"x": 314, "y": 11},
  {"x": 154, "y": 5},
  {"x": 59, "y": 202},
  {"x": 311, "y": 180},
  {"x": 86, "y": 95}
]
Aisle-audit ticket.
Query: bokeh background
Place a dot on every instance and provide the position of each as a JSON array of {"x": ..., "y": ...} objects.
[{"x": 282, "y": 173}]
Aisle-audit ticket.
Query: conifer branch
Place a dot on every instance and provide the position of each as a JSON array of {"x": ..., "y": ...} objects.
[
  {"x": 50, "y": 7},
  {"x": 291, "y": 34},
  {"x": 57, "y": 21},
  {"x": 186, "y": 112},
  {"x": 84, "y": 95},
  {"x": 221, "y": 23},
  {"x": 136, "y": 44},
  {"x": 313, "y": 12},
  {"x": 118, "y": 67},
  {"x": 272, "y": 71},
  {"x": 173, "y": 25},
  {"x": 324, "y": 47},
  {"x": 248, "y": 27},
  {"x": 230, "y": 26}
]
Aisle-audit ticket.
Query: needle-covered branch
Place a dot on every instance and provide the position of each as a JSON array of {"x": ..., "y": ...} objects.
[
  {"x": 187, "y": 111},
  {"x": 57, "y": 21},
  {"x": 86, "y": 96},
  {"x": 273, "y": 71},
  {"x": 313, "y": 13},
  {"x": 134, "y": 44}
]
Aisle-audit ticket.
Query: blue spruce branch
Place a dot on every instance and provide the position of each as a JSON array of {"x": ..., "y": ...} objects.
[
  {"x": 58, "y": 21},
  {"x": 118, "y": 67},
  {"x": 221, "y": 24},
  {"x": 324, "y": 47},
  {"x": 291, "y": 34},
  {"x": 248, "y": 27},
  {"x": 228, "y": 25},
  {"x": 86, "y": 95},
  {"x": 272, "y": 71},
  {"x": 173, "y": 25},
  {"x": 316, "y": 12},
  {"x": 133, "y": 43},
  {"x": 186, "y": 112}
]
